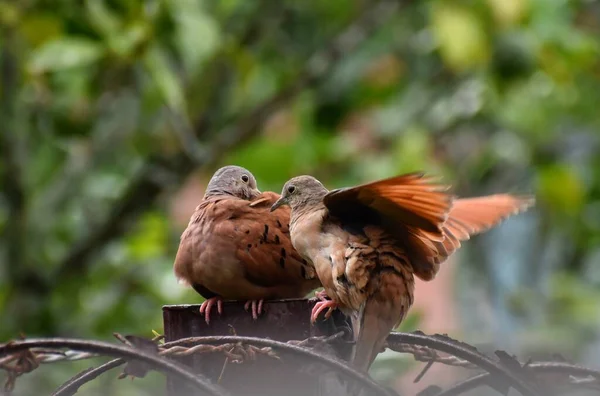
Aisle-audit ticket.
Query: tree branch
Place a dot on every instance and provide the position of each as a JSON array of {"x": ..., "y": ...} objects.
[{"x": 144, "y": 188}]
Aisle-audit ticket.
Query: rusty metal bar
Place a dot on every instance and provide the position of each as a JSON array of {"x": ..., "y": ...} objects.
[{"x": 72, "y": 386}]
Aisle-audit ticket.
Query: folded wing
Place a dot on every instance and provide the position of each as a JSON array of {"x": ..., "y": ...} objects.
[{"x": 265, "y": 247}]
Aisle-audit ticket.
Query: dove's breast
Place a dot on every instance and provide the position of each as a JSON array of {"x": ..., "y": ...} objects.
[{"x": 323, "y": 246}]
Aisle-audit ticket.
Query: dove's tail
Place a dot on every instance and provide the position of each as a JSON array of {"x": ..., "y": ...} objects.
[{"x": 371, "y": 326}]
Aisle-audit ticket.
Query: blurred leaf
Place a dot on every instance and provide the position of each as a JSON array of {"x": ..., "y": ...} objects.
[
  {"x": 413, "y": 151},
  {"x": 509, "y": 12},
  {"x": 257, "y": 84},
  {"x": 102, "y": 18},
  {"x": 9, "y": 13},
  {"x": 40, "y": 27},
  {"x": 159, "y": 67},
  {"x": 126, "y": 42},
  {"x": 561, "y": 188},
  {"x": 123, "y": 40},
  {"x": 461, "y": 36},
  {"x": 197, "y": 34},
  {"x": 65, "y": 53},
  {"x": 150, "y": 238},
  {"x": 527, "y": 106}
]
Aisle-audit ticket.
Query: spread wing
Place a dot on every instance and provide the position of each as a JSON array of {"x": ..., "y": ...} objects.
[
  {"x": 421, "y": 216},
  {"x": 411, "y": 200},
  {"x": 468, "y": 216}
]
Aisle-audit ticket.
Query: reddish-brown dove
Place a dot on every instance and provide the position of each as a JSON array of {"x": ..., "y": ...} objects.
[
  {"x": 368, "y": 242},
  {"x": 234, "y": 248}
]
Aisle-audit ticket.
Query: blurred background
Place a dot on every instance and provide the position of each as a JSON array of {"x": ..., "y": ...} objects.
[{"x": 114, "y": 115}]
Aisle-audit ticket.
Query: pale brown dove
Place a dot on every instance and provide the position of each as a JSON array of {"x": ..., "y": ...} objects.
[
  {"x": 368, "y": 242},
  {"x": 234, "y": 248}
]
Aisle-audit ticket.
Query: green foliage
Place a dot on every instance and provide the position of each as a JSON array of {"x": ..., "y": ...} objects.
[{"x": 111, "y": 100}]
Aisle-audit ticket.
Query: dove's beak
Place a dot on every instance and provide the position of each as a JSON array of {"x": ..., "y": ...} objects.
[
  {"x": 254, "y": 193},
  {"x": 281, "y": 201}
]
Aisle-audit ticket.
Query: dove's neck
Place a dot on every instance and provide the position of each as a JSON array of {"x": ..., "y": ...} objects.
[
  {"x": 305, "y": 228},
  {"x": 307, "y": 204},
  {"x": 301, "y": 211}
]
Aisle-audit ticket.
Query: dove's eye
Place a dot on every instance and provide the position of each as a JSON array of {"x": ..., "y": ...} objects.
[
  {"x": 245, "y": 178},
  {"x": 291, "y": 189}
]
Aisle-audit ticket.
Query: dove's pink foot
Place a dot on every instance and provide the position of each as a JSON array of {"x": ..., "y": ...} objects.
[
  {"x": 320, "y": 306},
  {"x": 207, "y": 306},
  {"x": 256, "y": 305}
]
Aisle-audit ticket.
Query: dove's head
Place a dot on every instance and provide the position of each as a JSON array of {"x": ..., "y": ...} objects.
[
  {"x": 301, "y": 191},
  {"x": 233, "y": 180}
]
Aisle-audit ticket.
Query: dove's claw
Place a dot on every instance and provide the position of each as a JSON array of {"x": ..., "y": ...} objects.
[
  {"x": 320, "y": 306},
  {"x": 322, "y": 295},
  {"x": 207, "y": 305},
  {"x": 257, "y": 306}
]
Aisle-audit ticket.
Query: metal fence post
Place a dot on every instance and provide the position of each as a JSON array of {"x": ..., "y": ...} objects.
[{"x": 283, "y": 320}]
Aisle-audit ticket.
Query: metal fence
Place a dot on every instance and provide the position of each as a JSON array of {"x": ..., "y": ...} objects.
[{"x": 139, "y": 355}]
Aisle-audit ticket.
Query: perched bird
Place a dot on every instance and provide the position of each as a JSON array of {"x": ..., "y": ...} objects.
[
  {"x": 368, "y": 242},
  {"x": 234, "y": 248}
]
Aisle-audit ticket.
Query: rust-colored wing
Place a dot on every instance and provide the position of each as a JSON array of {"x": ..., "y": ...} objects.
[
  {"x": 468, "y": 216},
  {"x": 422, "y": 217},
  {"x": 412, "y": 200}
]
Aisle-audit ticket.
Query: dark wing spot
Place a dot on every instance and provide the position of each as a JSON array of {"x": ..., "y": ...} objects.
[
  {"x": 282, "y": 262},
  {"x": 331, "y": 260},
  {"x": 279, "y": 224},
  {"x": 248, "y": 247},
  {"x": 283, "y": 252},
  {"x": 247, "y": 231},
  {"x": 277, "y": 241},
  {"x": 266, "y": 233}
]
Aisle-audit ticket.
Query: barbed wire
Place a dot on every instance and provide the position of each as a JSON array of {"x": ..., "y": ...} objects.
[{"x": 430, "y": 355}]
